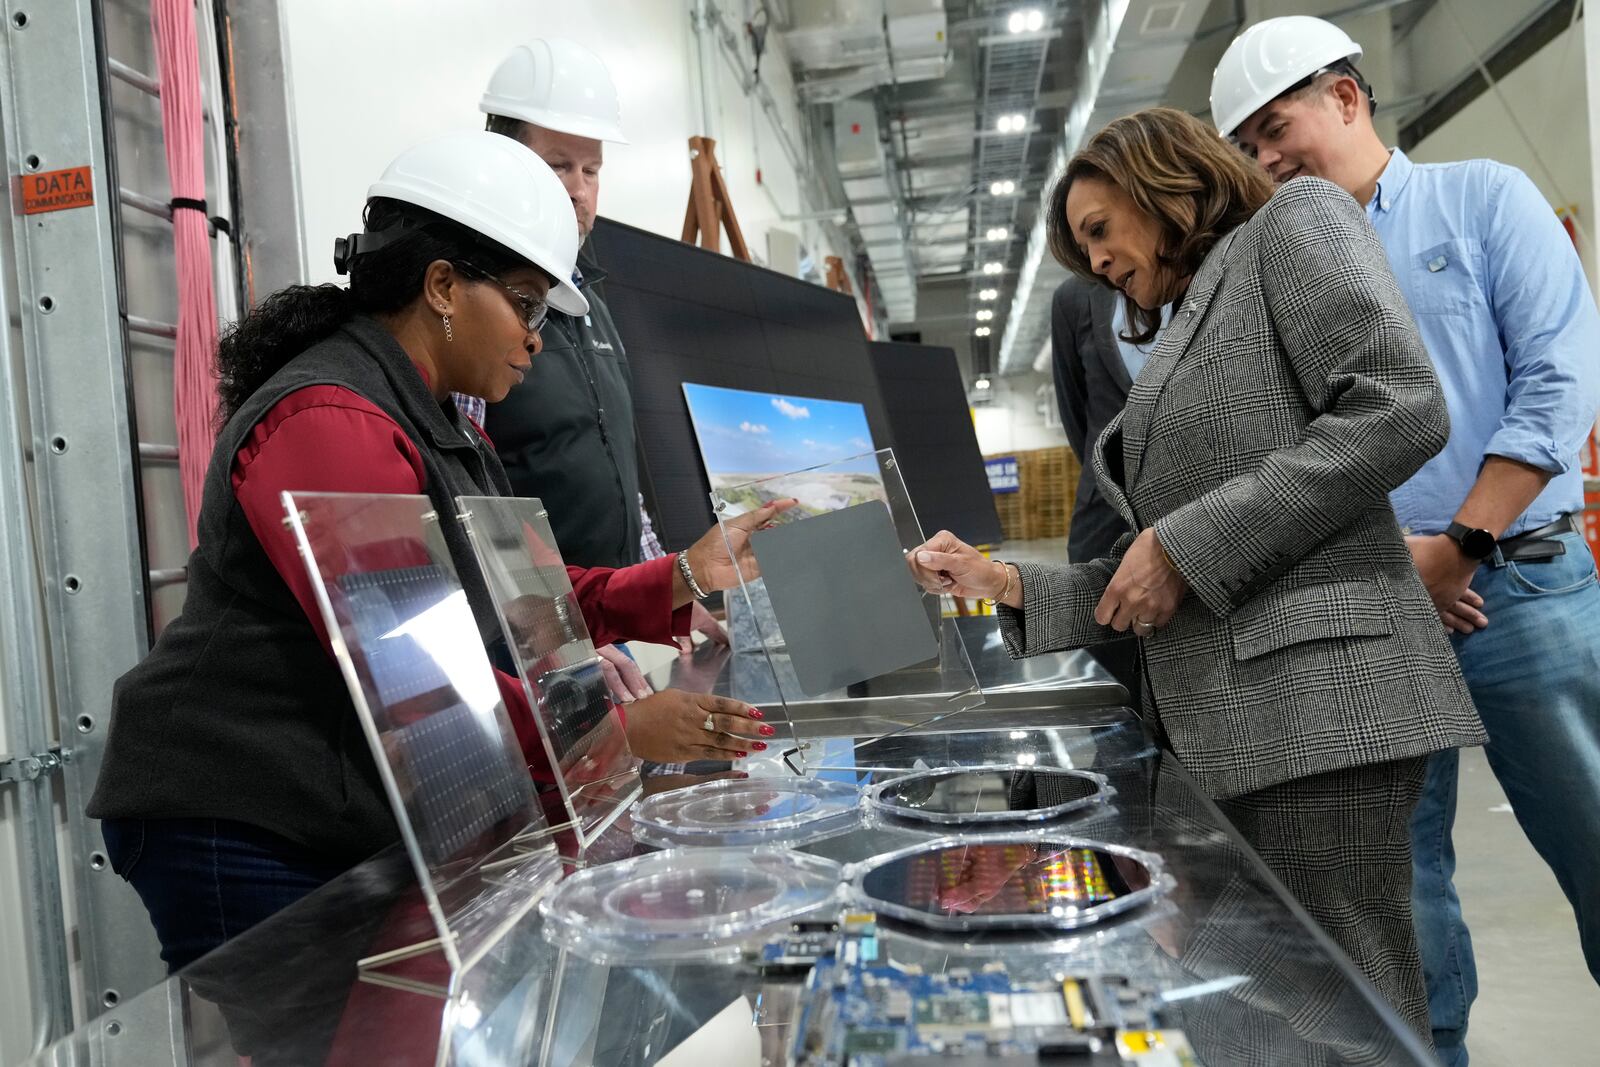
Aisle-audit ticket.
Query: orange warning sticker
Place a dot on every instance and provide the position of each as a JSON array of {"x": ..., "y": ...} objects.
[{"x": 56, "y": 190}]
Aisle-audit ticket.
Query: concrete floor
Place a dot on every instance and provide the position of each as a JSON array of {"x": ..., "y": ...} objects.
[
  {"x": 1533, "y": 986},
  {"x": 1535, "y": 997}
]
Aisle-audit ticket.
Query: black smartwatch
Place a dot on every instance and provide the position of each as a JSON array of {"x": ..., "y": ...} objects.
[{"x": 1475, "y": 544}]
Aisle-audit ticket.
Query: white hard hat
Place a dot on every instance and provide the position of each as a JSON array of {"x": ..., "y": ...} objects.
[
  {"x": 1268, "y": 59},
  {"x": 559, "y": 85},
  {"x": 500, "y": 189}
]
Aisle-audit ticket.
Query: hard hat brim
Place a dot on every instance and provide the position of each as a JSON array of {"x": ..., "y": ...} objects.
[
  {"x": 575, "y": 125},
  {"x": 567, "y": 298}
]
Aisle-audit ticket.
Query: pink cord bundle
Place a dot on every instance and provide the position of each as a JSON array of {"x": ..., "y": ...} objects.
[{"x": 194, "y": 378}]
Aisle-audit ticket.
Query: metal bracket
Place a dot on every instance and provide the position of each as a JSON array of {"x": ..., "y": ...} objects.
[{"x": 28, "y": 768}]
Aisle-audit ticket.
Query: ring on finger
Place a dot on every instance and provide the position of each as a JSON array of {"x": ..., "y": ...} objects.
[
  {"x": 1143, "y": 628},
  {"x": 710, "y": 725}
]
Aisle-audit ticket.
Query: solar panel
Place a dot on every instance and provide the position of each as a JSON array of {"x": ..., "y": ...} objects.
[
  {"x": 460, "y": 779},
  {"x": 934, "y": 440}
]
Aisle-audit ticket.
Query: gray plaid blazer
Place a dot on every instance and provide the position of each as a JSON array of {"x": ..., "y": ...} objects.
[{"x": 1288, "y": 396}]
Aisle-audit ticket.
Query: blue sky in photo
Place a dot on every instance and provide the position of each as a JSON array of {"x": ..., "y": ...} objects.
[{"x": 741, "y": 432}]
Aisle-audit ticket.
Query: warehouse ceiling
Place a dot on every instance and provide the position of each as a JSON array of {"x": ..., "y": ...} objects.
[
  {"x": 965, "y": 146},
  {"x": 962, "y": 139}
]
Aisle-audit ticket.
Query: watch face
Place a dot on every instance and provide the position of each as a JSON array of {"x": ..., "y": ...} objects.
[{"x": 1477, "y": 544}]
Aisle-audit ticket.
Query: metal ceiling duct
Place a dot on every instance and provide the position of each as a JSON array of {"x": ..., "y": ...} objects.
[
  {"x": 873, "y": 189},
  {"x": 1013, "y": 66},
  {"x": 1132, "y": 51},
  {"x": 840, "y": 48}
]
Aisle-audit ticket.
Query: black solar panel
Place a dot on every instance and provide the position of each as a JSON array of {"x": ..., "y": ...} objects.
[
  {"x": 934, "y": 441},
  {"x": 457, "y": 776}
]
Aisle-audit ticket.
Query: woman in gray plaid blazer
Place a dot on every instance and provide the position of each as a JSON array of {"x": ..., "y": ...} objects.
[{"x": 1295, "y": 663}]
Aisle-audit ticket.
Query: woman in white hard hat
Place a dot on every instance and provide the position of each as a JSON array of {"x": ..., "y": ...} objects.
[
  {"x": 1295, "y": 663},
  {"x": 237, "y": 777}
]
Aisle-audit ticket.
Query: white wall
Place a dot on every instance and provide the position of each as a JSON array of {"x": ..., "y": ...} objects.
[
  {"x": 1012, "y": 423},
  {"x": 1547, "y": 97},
  {"x": 371, "y": 77}
]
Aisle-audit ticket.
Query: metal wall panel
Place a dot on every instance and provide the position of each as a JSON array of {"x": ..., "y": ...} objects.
[{"x": 82, "y": 441}]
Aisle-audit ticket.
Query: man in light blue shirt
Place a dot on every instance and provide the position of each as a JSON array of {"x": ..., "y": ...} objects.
[{"x": 1501, "y": 302}]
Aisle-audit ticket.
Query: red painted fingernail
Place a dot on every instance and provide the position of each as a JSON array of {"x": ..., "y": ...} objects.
[
  {"x": 754, "y": 714},
  {"x": 759, "y": 746},
  {"x": 767, "y": 731},
  {"x": 741, "y": 755},
  {"x": 741, "y": 774}
]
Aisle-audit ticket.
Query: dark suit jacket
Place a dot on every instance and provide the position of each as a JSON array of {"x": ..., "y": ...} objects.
[{"x": 1091, "y": 387}]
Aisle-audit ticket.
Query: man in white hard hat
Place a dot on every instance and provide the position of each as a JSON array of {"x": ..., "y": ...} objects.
[
  {"x": 1502, "y": 304},
  {"x": 566, "y": 434}
]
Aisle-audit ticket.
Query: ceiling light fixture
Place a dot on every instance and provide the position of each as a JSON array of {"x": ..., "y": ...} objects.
[
  {"x": 1011, "y": 123},
  {"x": 985, "y": 315},
  {"x": 988, "y": 294},
  {"x": 998, "y": 233},
  {"x": 1030, "y": 20},
  {"x": 981, "y": 331},
  {"x": 993, "y": 267},
  {"x": 1005, "y": 188},
  {"x": 981, "y": 383}
]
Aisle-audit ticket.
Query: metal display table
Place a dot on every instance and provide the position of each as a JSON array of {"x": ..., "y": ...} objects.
[{"x": 1229, "y": 958}]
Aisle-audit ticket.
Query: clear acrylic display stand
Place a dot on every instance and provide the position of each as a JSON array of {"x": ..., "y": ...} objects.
[
  {"x": 835, "y": 616},
  {"x": 754, "y": 811},
  {"x": 988, "y": 795},
  {"x": 580, "y": 726},
  {"x": 413, "y": 655},
  {"x": 704, "y": 904}
]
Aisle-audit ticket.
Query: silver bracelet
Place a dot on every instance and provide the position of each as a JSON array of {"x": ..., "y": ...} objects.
[{"x": 688, "y": 577}]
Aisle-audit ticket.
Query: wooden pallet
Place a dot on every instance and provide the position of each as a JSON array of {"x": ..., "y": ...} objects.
[{"x": 1047, "y": 488}]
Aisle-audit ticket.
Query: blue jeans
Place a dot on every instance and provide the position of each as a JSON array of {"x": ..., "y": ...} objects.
[
  {"x": 1535, "y": 678},
  {"x": 206, "y": 880}
]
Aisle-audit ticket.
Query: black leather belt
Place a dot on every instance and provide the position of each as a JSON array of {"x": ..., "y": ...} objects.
[{"x": 1541, "y": 544}]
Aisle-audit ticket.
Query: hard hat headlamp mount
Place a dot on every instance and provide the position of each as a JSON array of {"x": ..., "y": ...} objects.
[{"x": 347, "y": 249}]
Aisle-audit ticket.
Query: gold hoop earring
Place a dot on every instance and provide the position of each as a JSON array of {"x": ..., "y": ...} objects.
[{"x": 448, "y": 335}]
